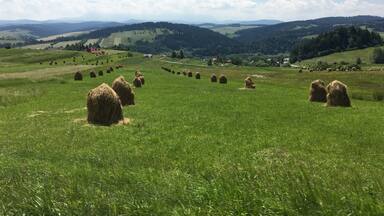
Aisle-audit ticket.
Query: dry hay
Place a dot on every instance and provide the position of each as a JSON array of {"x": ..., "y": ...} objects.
[
  {"x": 190, "y": 74},
  {"x": 338, "y": 94},
  {"x": 138, "y": 74},
  {"x": 78, "y": 76},
  {"x": 317, "y": 93},
  {"x": 213, "y": 78},
  {"x": 223, "y": 79},
  {"x": 137, "y": 82},
  {"x": 197, "y": 75},
  {"x": 142, "y": 80},
  {"x": 101, "y": 73},
  {"x": 104, "y": 106},
  {"x": 92, "y": 74},
  {"x": 124, "y": 91},
  {"x": 249, "y": 84}
]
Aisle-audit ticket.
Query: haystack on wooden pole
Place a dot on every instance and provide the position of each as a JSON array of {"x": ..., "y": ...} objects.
[
  {"x": 78, "y": 76},
  {"x": 137, "y": 82},
  {"x": 223, "y": 79},
  {"x": 104, "y": 106},
  {"x": 249, "y": 84},
  {"x": 317, "y": 93},
  {"x": 190, "y": 74},
  {"x": 214, "y": 78},
  {"x": 338, "y": 94},
  {"x": 92, "y": 74},
  {"x": 101, "y": 73},
  {"x": 124, "y": 91},
  {"x": 197, "y": 75}
]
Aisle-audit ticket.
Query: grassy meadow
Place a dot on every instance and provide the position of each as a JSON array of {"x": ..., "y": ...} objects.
[{"x": 192, "y": 147}]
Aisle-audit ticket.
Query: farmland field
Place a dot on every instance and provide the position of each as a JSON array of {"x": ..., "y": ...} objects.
[{"x": 192, "y": 147}]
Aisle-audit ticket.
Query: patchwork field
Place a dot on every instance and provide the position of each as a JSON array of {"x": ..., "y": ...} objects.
[{"x": 192, "y": 147}]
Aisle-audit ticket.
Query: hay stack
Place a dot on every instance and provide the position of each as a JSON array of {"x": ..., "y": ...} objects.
[
  {"x": 78, "y": 76},
  {"x": 198, "y": 76},
  {"x": 104, "y": 106},
  {"x": 185, "y": 73},
  {"x": 101, "y": 73},
  {"x": 338, "y": 94},
  {"x": 318, "y": 93},
  {"x": 190, "y": 74},
  {"x": 223, "y": 79},
  {"x": 249, "y": 84},
  {"x": 213, "y": 78},
  {"x": 124, "y": 91},
  {"x": 137, "y": 82},
  {"x": 92, "y": 74},
  {"x": 142, "y": 79},
  {"x": 178, "y": 73}
]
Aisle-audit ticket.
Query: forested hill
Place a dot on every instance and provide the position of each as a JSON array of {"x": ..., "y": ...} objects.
[
  {"x": 282, "y": 37},
  {"x": 199, "y": 41},
  {"x": 47, "y": 29},
  {"x": 340, "y": 39}
]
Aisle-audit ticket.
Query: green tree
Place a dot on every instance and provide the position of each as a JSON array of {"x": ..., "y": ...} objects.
[
  {"x": 378, "y": 56},
  {"x": 174, "y": 54},
  {"x": 359, "y": 61},
  {"x": 181, "y": 54},
  {"x": 210, "y": 63}
]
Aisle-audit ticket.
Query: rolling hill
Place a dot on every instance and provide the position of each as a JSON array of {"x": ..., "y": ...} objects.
[
  {"x": 281, "y": 38},
  {"x": 162, "y": 37},
  {"x": 31, "y": 32}
]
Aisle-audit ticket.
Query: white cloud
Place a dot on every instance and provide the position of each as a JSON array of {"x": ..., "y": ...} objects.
[{"x": 188, "y": 10}]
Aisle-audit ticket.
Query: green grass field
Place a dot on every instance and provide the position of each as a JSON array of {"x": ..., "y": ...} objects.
[
  {"x": 192, "y": 147},
  {"x": 348, "y": 56},
  {"x": 131, "y": 37}
]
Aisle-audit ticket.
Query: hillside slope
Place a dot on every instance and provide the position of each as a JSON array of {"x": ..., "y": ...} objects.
[
  {"x": 281, "y": 38},
  {"x": 163, "y": 36},
  {"x": 30, "y": 32}
]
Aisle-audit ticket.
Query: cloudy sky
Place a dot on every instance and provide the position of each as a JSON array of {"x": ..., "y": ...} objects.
[{"x": 186, "y": 10}]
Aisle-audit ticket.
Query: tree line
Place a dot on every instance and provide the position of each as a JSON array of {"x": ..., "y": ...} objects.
[{"x": 338, "y": 40}]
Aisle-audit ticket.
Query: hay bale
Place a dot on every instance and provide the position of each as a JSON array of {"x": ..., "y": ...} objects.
[
  {"x": 101, "y": 73},
  {"x": 78, "y": 76},
  {"x": 223, "y": 79},
  {"x": 137, "y": 82},
  {"x": 104, "y": 106},
  {"x": 317, "y": 93},
  {"x": 338, "y": 94},
  {"x": 197, "y": 75},
  {"x": 249, "y": 84},
  {"x": 214, "y": 78},
  {"x": 190, "y": 74},
  {"x": 124, "y": 91},
  {"x": 92, "y": 74}
]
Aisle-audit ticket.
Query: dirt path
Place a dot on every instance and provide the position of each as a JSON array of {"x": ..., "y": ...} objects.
[{"x": 44, "y": 73}]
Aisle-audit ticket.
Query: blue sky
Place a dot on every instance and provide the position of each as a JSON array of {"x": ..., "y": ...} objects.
[{"x": 186, "y": 10}]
